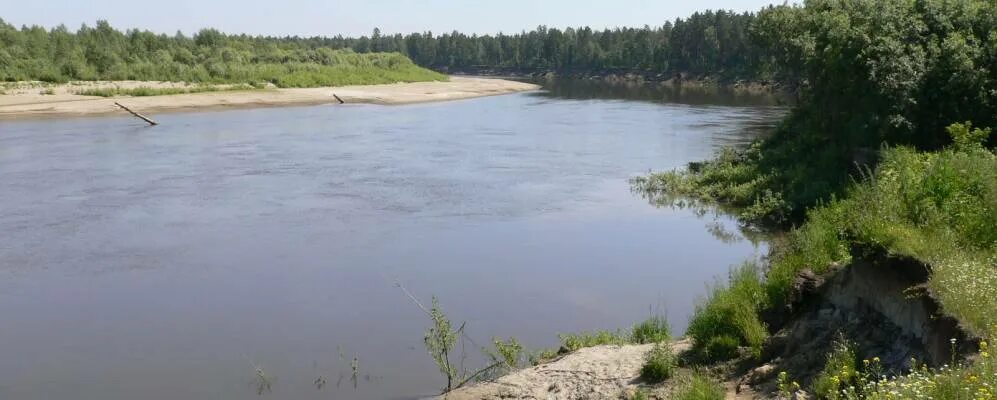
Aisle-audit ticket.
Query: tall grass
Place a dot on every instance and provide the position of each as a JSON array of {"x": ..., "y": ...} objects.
[
  {"x": 841, "y": 370},
  {"x": 728, "y": 317},
  {"x": 937, "y": 207},
  {"x": 700, "y": 387},
  {"x": 659, "y": 364},
  {"x": 654, "y": 329}
]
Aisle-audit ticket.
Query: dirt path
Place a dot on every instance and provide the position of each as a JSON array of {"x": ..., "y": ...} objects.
[{"x": 62, "y": 100}]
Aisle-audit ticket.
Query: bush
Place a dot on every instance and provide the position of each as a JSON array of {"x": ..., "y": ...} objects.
[
  {"x": 840, "y": 370},
  {"x": 730, "y": 315},
  {"x": 659, "y": 364},
  {"x": 700, "y": 387},
  {"x": 652, "y": 330},
  {"x": 508, "y": 353},
  {"x": 721, "y": 348}
]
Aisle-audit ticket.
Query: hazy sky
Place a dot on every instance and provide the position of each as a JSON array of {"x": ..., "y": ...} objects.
[{"x": 355, "y": 17}]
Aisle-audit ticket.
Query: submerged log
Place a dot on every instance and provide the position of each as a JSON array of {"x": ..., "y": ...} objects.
[{"x": 137, "y": 115}]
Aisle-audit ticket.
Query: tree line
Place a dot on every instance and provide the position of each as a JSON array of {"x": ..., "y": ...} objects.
[
  {"x": 104, "y": 53},
  {"x": 717, "y": 43}
]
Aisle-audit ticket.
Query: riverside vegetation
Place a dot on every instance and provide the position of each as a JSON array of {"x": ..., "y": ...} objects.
[
  {"x": 890, "y": 148},
  {"x": 718, "y": 44},
  {"x": 209, "y": 57}
]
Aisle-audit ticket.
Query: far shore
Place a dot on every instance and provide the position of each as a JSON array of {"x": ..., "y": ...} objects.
[{"x": 63, "y": 100}]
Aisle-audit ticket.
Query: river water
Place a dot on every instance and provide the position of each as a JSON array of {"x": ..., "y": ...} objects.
[{"x": 172, "y": 262}]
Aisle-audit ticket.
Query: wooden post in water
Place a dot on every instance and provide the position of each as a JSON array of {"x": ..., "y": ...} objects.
[
  {"x": 338, "y": 99},
  {"x": 137, "y": 115}
]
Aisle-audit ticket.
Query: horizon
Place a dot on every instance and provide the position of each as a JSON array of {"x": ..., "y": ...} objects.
[{"x": 357, "y": 19}]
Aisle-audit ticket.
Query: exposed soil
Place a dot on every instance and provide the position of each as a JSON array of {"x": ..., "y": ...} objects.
[{"x": 878, "y": 303}]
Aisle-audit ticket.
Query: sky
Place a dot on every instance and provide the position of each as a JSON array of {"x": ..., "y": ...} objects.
[{"x": 356, "y": 17}]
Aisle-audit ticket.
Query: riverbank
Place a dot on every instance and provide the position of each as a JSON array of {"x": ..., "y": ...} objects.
[
  {"x": 632, "y": 76},
  {"x": 600, "y": 372},
  {"x": 64, "y": 100}
]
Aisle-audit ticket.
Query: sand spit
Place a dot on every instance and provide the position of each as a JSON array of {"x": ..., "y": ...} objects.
[{"x": 62, "y": 100}]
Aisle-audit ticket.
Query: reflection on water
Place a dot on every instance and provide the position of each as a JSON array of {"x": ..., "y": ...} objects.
[{"x": 227, "y": 254}]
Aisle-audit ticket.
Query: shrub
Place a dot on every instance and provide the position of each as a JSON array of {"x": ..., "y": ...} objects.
[
  {"x": 700, "y": 387},
  {"x": 659, "y": 364},
  {"x": 652, "y": 330},
  {"x": 720, "y": 348},
  {"x": 840, "y": 370},
  {"x": 730, "y": 312},
  {"x": 508, "y": 353}
]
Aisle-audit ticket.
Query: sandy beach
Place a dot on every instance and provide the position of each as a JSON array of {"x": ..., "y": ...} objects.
[{"x": 62, "y": 100}]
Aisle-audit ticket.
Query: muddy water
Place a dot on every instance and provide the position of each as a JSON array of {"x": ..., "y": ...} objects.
[{"x": 171, "y": 262}]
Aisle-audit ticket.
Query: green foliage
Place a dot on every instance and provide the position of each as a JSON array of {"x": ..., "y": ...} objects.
[
  {"x": 655, "y": 329},
  {"x": 700, "y": 387},
  {"x": 967, "y": 381},
  {"x": 964, "y": 137},
  {"x": 705, "y": 43},
  {"x": 440, "y": 340},
  {"x": 720, "y": 348},
  {"x": 659, "y": 364},
  {"x": 540, "y": 356},
  {"x": 874, "y": 72},
  {"x": 103, "y": 53},
  {"x": 844, "y": 379},
  {"x": 507, "y": 353},
  {"x": 840, "y": 371},
  {"x": 148, "y": 91},
  {"x": 575, "y": 341},
  {"x": 940, "y": 208},
  {"x": 729, "y": 315}
]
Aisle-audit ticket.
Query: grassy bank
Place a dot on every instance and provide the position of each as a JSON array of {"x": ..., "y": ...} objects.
[{"x": 876, "y": 155}]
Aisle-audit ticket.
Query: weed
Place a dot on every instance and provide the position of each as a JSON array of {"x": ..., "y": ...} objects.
[
  {"x": 700, "y": 387},
  {"x": 722, "y": 347},
  {"x": 730, "y": 312},
  {"x": 659, "y": 364},
  {"x": 840, "y": 371},
  {"x": 655, "y": 329},
  {"x": 507, "y": 353},
  {"x": 440, "y": 340}
]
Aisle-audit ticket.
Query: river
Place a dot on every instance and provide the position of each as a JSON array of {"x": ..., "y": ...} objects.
[{"x": 172, "y": 262}]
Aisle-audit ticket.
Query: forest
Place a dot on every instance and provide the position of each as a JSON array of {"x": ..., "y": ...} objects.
[
  {"x": 104, "y": 53},
  {"x": 719, "y": 44}
]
